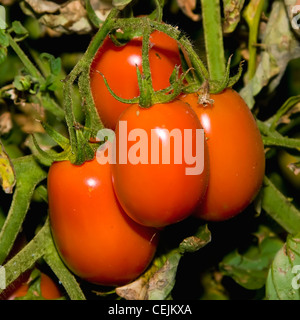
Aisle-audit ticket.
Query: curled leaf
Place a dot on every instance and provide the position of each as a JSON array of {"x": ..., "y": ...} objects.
[
  {"x": 19, "y": 29},
  {"x": 232, "y": 14},
  {"x": 197, "y": 241},
  {"x": 280, "y": 46},
  {"x": 158, "y": 281}
]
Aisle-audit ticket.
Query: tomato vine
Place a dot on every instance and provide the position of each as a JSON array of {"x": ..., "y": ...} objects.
[{"x": 24, "y": 176}]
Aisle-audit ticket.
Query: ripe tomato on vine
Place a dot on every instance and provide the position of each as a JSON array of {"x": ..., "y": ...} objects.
[
  {"x": 151, "y": 191},
  {"x": 118, "y": 65},
  {"x": 94, "y": 236},
  {"x": 236, "y": 154}
]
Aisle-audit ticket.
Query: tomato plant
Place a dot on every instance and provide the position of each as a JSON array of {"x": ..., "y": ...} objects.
[
  {"x": 94, "y": 236},
  {"x": 118, "y": 65},
  {"x": 236, "y": 154},
  {"x": 148, "y": 170},
  {"x": 89, "y": 64}
]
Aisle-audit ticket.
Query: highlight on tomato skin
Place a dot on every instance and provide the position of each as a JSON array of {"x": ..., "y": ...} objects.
[
  {"x": 118, "y": 65},
  {"x": 95, "y": 238},
  {"x": 236, "y": 155},
  {"x": 160, "y": 194}
]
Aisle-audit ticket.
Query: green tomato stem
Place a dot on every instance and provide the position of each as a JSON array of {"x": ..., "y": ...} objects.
[
  {"x": 159, "y": 9},
  {"x": 186, "y": 45},
  {"x": 279, "y": 208},
  {"x": 42, "y": 246},
  {"x": 272, "y": 137},
  {"x": 213, "y": 36},
  {"x": 92, "y": 119},
  {"x": 26, "y": 258},
  {"x": 145, "y": 80},
  {"x": 25, "y": 60},
  {"x": 28, "y": 175},
  {"x": 47, "y": 102},
  {"x": 252, "y": 16},
  {"x": 79, "y": 147},
  {"x": 67, "y": 279}
]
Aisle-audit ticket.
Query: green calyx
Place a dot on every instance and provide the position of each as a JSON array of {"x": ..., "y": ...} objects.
[
  {"x": 126, "y": 29},
  {"x": 191, "y": 78}
]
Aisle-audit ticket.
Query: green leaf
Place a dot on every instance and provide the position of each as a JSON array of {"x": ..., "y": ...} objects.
[
  {"x": 3, "y": 54},
  {"x": 272, "y": 137},
  {"x": 3, "y": 24},
  {"x": 197, "y": 241},
  {"x": 213, "y": 288},
  {"x": 61, "y": 140},
  {"x": 19, "y": 29},
  {"x": 162, "y": 282},
  {"x": 4, "y": 40},
  {"x": 283, "y": 276},
  {"x": 55, "y": 63},
  {"x": 250, "y": 269},
  {"x": 23, "y": 83},
  {"x": 289, "y": 103},
  {"x": 7, "y": 173}
]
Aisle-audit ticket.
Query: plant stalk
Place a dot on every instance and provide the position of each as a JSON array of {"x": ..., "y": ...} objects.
[{"x": 213, "y": 36}]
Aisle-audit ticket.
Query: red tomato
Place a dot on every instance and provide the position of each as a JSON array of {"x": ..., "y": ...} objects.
[
  {"x": 155, "y": 193},
  {"x": 118, "y": 65},
  {"x": 49, "y": 289},
  {"x": 236, "y": 153},
  {"x": 94, "y": 236}
]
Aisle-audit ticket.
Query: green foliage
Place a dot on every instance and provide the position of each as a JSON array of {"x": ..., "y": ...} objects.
[
  {"x": 250, "y": 269},
  {"x": 283, "y": 276}
]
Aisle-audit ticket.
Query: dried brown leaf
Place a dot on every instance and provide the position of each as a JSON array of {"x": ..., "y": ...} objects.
[
  {"x": 40, "y": 6},
  {"x": 187, "y": 7},
  {"x": 5, "y": 122}
]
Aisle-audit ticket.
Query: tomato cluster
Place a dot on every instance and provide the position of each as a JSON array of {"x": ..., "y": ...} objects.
[{"x": 106, "y": 216}]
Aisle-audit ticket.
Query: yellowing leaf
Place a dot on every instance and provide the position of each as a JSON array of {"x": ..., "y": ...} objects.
[{"x": 7, "y": 174}]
